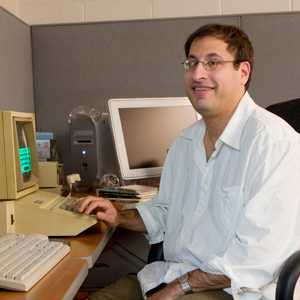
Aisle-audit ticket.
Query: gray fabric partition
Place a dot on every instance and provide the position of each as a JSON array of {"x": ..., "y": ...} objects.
[
  {"x": 277, "y": 60},
  {"x": 16, "y": 82},
  {"x": 91, "y": 63}
]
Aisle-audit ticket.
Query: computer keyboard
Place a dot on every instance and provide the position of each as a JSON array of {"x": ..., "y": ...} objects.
[
  {"x": 70, "y": 204},
  {"x": 25, "y": 259}
]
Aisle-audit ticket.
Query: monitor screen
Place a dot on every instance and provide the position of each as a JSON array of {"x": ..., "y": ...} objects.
[
  {"x": 143, "y": 131},
  {"x": 23, "y": 151},
  {"x": 25, "y": 147}
]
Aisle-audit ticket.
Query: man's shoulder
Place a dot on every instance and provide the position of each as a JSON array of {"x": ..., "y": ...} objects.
[{"x": 269, "y": 126}]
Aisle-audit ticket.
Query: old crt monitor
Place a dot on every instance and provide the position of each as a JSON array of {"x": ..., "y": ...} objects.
[
  {"x": 144, "y": 129},
  {"x": 18, "y": 164},
  {"x": 23, "y": 207}
]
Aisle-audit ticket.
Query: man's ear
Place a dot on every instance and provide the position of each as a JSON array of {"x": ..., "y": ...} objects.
[{"x": 245, "y": 69}]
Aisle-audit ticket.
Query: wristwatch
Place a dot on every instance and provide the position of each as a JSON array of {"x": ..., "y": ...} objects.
[{"x": 184, "y": 283}]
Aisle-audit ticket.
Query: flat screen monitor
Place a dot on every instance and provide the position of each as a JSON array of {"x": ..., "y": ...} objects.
[
  {"x": 143, "y": 131},
  {"x": 18, "y": 155}
]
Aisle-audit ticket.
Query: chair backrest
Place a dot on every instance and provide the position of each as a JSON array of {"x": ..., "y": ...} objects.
[{"x": 289, "y": 111}]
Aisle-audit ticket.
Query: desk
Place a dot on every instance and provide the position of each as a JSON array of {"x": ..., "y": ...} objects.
[
  {"x": 90, "y": 244},
  {"x": 65, "y": 279}
]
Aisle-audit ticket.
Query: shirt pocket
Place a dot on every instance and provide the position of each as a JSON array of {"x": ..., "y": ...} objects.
[{"x": 227, "y": 210}]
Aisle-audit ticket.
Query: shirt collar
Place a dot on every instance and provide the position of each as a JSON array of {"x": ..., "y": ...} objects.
[{"x": 232, "y": 133}]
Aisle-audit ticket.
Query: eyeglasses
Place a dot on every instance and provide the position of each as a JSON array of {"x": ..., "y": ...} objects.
[{"x": 209, "y": 65}]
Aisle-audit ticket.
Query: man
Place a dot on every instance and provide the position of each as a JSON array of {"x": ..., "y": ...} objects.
[{"x": 228, "y": 205}]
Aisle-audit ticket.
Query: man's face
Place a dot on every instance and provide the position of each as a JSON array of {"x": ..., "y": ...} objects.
[{"x": 215, "y": 92}]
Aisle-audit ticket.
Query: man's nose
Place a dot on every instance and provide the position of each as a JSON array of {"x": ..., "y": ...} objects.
[{"x": 199, "y": 72}]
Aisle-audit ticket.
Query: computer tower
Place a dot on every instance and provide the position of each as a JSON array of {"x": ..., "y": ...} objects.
[{"x": 85, "y": 148}]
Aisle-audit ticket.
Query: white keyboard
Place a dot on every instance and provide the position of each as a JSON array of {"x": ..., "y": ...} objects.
[
  {"x": 25, "y": 259},
  {"x": 70, "y": 204}
]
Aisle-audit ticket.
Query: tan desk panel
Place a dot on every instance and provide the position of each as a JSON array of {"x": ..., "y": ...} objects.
[{"x": 89, "y": 244}]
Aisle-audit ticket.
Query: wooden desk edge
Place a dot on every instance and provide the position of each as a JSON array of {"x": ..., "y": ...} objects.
[
  {"x": 90, "y": 244},
  {"x": 76, "y": 284}
]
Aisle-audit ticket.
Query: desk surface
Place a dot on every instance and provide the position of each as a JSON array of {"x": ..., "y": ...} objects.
[{"x": 65, "y": 279}]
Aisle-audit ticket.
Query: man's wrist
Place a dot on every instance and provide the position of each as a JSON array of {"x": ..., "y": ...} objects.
[
  {"x": 184, "y": 283},
  {"x": 173, "y": 290}
]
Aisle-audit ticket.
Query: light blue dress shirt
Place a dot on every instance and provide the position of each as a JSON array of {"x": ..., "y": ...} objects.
[{"x": 237, "y": 213}]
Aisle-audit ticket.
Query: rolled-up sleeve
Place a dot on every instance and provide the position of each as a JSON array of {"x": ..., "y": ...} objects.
[
  {"x": 153, "y": 215},
  {"x": 154, "y": 212},
  {"x": 268, "y": 231}
]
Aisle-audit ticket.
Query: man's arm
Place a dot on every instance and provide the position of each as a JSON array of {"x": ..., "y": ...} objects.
[
  {"x": 199, "y": 282},
  {"x": 131, "y": 219},
  {"x": 106, "y": 212}
]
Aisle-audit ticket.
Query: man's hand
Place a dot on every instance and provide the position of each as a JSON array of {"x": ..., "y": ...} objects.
[
  {"x": 106, "y": 212},
  {"x": 171, "y": 292},
  {"x": 103, "y": 209},
  {"x": 201, "y": 281}
]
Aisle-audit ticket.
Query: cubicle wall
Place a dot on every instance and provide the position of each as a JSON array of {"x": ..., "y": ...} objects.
[
  {"x": 16, "y": 84},
  {"x": 86, "y": 64},
  {"x": 276, "y": 40}
]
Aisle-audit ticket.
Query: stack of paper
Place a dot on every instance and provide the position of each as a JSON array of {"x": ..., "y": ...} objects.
[
  {"x": 128, "y": 193},
  {"x": 144, "y": 192}
]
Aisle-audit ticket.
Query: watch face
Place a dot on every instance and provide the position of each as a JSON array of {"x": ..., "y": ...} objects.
[{"x": 184, "y": 283}]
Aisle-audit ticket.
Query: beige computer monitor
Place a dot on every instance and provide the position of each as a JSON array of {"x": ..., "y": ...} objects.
[
  {"x": 18, "y": 155},
  {"x": 144, "y": 129},
  {"x": 23, "y": 207}
]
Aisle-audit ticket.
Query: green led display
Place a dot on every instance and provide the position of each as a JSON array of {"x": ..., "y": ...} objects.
[{"x": 25, "y": 160}]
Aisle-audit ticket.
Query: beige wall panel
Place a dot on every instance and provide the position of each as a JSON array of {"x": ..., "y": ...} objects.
[
  {"x": 179, "y": 8},
  {"x": 10, "y": 5},
  {"x": 255, "y": 6},
  {"x": 296, "y": 7},
  {"x": 107, "y": 10},
  {"x": 51, "y": 11}
]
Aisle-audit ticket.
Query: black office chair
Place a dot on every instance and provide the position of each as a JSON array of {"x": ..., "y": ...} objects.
[
  {"x": 289, "y": 111},
  {"x": 286, "y": 283},
  {"x": 288, "y": 277}
]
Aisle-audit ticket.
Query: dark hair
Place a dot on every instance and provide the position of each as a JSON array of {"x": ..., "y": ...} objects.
[{"x": 238, "y": 42}]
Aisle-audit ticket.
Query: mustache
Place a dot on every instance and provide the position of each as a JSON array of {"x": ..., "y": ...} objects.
[{"x": 203, "y": 86}]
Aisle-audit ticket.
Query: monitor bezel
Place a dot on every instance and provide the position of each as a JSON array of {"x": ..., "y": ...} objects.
[{"x": 114, "y": 105}]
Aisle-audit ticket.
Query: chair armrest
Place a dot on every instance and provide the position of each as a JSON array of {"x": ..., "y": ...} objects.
[
  {"x": 288, "y": 277},
  {"x": 156, "y": 252}
]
